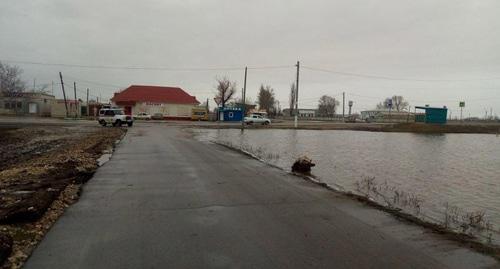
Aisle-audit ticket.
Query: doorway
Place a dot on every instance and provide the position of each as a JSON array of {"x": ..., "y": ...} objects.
[{"x": 128, "y": 110}]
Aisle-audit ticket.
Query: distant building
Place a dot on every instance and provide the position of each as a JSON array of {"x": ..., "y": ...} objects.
[
  {"x": 27, "y": 104},
  {"x": 58, "y": 108},
  {"x": 92, "y": 108},
  {"x": 303, "y": 112},
  {"x": 307, "y": 113},
  {"x": 384, "y": 115},
  {"x": 172, "y": 102},
  {"x": 249, "y": 108}
]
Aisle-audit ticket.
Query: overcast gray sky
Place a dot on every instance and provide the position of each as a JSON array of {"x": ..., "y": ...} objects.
[{"x": 430, "y": 51}]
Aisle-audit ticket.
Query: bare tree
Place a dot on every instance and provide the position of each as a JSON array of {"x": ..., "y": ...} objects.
[
  {"x": 399, "y": 103},
  {"x": 327, "y": 106},
  {"x": 291, "y": 101},
  {"x": 225, "y": 91},
  {"x": 266, "y": 99},
  {"x": 11, "y": 84},
  {"x": 396, "y": 102},
  {"x": 385, "y": 104}
]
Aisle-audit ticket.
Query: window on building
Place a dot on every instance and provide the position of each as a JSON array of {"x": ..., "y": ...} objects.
[
  {"x": 19, "y": 105},
  {"x": 6, "y": 105}
]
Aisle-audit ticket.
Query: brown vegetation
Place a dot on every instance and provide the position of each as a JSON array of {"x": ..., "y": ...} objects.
[{"x": 40, "y": 165}]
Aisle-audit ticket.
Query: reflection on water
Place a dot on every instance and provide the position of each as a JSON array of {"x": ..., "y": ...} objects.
[{"x": 460, "y": 169}]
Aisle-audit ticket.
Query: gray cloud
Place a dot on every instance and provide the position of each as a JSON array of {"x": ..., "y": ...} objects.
[{"x": 452, "y": 40}]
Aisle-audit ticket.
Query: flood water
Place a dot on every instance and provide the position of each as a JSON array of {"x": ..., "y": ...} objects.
[{"x": 462, "y": 170}]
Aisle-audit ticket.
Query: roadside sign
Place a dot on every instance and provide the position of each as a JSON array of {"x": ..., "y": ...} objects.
[{"x": 462, "y": 104}]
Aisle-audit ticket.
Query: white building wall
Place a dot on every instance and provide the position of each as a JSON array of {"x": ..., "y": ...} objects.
[{"x": 168, "y": 110}]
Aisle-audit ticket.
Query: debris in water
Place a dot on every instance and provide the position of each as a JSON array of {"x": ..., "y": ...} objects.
[{"x": 302, "y": 165}]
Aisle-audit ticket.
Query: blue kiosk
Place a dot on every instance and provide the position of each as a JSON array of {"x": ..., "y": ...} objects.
[{"x": 230, "y": 114}]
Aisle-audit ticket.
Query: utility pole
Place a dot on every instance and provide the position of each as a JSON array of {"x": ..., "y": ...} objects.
[
  {"x": 244, "y": 101},
  {"x": 52, "y": 87},
  {"x": 343, "y": 106},
  {"x": 76, "y": 101},
  {"x": 64, "y": 94},
  {"x": 34, "y": 85},
  {"x": 408, "y": 118},
  {"x": 88, "y": 107},
  {"x": 461, "y": 112},
  {"x": 297, "y": 95}
]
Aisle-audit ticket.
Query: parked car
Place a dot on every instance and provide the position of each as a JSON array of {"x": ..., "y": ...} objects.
[
  {"x": 142, "y": 116},
  {"x": 199, "y": 113},
  {"x": 255, "y": 118},
  {"x": 157, "y": 116},
  {"x": 114, "y": 116}
]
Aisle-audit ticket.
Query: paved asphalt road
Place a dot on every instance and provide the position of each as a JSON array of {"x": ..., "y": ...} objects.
[{"x": 165, "y": 200}]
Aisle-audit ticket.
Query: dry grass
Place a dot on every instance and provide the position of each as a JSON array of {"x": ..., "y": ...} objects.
[{"x": 471, "y": 223}]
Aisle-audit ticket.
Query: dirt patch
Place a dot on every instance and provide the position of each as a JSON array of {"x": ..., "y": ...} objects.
[
  {"x": 42, "y": 170},
  {"x": 5, "y": 247}
]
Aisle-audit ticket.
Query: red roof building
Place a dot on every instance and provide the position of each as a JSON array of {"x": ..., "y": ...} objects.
[{"x": 171, "y": 102}]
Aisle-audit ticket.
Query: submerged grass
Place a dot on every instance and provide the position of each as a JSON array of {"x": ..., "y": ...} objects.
[{"x": 472, "y": 223}]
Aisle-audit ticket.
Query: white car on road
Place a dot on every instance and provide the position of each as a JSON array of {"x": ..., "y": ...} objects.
[
  {"x": 115, "y": 117},
  {"x": 142, "y": 116},
  {"x": 254, "y": 118}
]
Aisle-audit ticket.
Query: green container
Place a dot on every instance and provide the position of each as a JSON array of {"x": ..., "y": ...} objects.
[{"x": 434, "y": 115}]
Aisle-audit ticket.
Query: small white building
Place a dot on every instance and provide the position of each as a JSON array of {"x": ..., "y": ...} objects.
[
  {"x": 27, "y": 104},
  {"x": 384, "y": 115},
  {"x": 307, "y": 113},
  {"x": 171, "y": 102}
]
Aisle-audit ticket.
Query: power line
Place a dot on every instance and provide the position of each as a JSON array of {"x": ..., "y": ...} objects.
[
  {"x": 232, "y": 68},
  {"x": 393, "y": 78},
  {"x": 236, "y": 68},
  {"x": 429, "y": 101},
  {"x": 96, "y": 83}
]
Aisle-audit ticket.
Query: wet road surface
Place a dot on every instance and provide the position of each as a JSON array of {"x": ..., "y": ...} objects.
[{"x": 165, "y": 200}]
